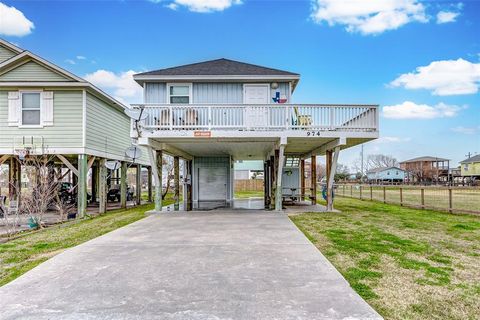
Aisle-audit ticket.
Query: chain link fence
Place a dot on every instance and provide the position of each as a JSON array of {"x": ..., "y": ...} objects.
[{"x": 451, "y": 199}]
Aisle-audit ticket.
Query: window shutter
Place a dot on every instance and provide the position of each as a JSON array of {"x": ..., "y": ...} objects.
[
  {"x": 13, "y": 108},
  {"x": 47, "y": 108}
]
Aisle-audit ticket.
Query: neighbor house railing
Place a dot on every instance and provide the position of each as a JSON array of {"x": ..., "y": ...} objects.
[
  {"x": 451, "y": 199},
  {"x": 260, "y": 117}
]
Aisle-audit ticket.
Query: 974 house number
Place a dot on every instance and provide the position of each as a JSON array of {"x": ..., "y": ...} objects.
[{"x": 313, "y": 133}]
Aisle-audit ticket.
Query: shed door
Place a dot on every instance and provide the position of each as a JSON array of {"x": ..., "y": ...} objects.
[{"x": 212, "y": 184}]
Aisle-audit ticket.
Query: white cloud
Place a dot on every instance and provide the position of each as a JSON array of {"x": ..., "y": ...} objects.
[
  {"x": 368, "y": 17},
  {"x": 392, "y": 139},
  {"x": 200, "y": 5},
  {"x": 13, "y": 22},
  {"x": 447, "y": 16},
  {"x": 70, "y": 61},
  {"x": 466, "y": 130},
  {"x": 411, "y": 110},
  {"x": 120, "y": 85},
  {"x": 81, "y": 57},
  {"x": 443, "y": 78},
  {"x": 172, "y": 6}
]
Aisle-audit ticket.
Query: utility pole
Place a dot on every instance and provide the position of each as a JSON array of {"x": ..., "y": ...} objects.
[{"x": 468, "y": 155}]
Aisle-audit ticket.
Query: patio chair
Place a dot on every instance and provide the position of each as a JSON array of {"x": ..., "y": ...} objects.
[
  {"x": 191, "y": 117},
  {"x": 303, "y": 120},
  {"x": 164, "y": 118}
]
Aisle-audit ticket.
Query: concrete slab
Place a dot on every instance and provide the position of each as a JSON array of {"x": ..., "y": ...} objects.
[{"x": 240, "y": 264}]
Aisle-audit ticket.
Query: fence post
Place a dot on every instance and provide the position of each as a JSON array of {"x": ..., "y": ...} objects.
[
  {"x": 371, "y": 193},
  {"x": 422, "y": 197},
  {"x": 360, "y": 192},
  {"x": 384, "y": 194},
  {"x": 401, "y": 196},
  {"x": 351, "y": 191},
  {"x": 450, "y": 202}
]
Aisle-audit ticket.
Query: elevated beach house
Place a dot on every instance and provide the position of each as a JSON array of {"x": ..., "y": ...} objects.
[
  {"x": 386, "y": 175},
  {"x": 215, "y": 112},
  {"x": 45, "y": 109},
  {"x": 470, "y": 168}
]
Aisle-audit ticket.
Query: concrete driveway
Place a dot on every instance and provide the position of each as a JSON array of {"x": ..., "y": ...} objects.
[{"x": 214, "y": 265}]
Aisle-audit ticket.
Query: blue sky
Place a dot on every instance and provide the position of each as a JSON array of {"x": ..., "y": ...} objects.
[{"x": 346, "y": 52}]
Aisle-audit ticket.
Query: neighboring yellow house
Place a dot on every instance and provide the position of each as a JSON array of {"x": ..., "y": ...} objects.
[{"x": 471, "y": 167}]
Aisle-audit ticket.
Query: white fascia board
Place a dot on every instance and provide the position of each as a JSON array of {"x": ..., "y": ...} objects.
[{"x": 178, "y": 135}]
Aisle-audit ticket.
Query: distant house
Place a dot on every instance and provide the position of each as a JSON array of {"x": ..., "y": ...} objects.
[
  {"x": 426, "y": 169},
  {"x": 248, "y": 169},
  {"x": 470, "y": 167},
  {"x": 386, "y": 174}
]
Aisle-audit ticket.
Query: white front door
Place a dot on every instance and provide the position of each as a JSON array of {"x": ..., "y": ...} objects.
[
  {"x": 256, "y": 93},
  {"x": 256, "y": 116}
]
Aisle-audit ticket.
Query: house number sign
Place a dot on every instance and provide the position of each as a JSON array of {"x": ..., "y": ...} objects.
[{"x": 313, "y": 134}]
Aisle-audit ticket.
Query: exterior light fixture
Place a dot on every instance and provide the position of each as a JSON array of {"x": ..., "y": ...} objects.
[{"x": 274, "y": 85}]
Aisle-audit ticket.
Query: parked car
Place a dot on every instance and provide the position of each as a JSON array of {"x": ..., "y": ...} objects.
[{"x": 114, "y": 193}]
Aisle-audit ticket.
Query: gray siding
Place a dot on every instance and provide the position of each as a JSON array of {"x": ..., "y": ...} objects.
[
  {"x": 66, "y": 131},
  {"x": 155, "y": 92},
  {"x": 217, "y": 93},
  {"x": 107, "y": 129},
  {"x": 31, "y": 71},
  {"x": 5, "y": 54},
  {"x": 211, "y": 92},
  {"x": 212, "y": 162}
]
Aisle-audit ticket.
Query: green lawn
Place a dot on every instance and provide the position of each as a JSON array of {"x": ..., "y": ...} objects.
[
  {"x": 248, "y": 194},
  {"x": 22, "y": 254},
  {"x": 407, "y": 263},
  {"x": 464, "y": 199}
]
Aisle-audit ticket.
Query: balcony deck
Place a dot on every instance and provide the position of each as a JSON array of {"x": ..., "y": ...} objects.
[{"x": 306, "y": 126}]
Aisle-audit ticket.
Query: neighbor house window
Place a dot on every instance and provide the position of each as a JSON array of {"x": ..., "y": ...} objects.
[
  {"x": 179, "y": 93},
  {"x": 31, "y": 108}
]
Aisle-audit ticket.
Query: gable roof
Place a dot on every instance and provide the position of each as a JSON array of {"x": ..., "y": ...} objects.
[
  {"x": 217, "y": 69},
  {"x": 472, "y": 159},
  {"x": 25, "y": 56},
  {"x": 220, "y": 67},
  {"x": 10, "y": 46},
  {"x": 425, "y": 158}
]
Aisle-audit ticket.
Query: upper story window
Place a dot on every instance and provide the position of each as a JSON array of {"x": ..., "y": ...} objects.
[
  {"x": 30, "y": 108},
  {"x": 179, "y": 93}
]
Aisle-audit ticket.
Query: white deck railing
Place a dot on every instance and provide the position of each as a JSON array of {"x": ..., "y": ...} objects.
[{"x": 260, "y": 117}]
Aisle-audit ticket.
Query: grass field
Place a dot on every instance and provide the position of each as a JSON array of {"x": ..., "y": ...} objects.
[
  {"x": 24, "y": 253},
  {"x": 463, "y": 199},
  {"x": 248, "y": 194},
  {"x": 407, "y": 263}
]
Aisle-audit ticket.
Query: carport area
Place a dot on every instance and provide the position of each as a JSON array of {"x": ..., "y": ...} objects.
[
  {"x": 222, "y": 264},
  {"x": 208, "y": 174}
]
